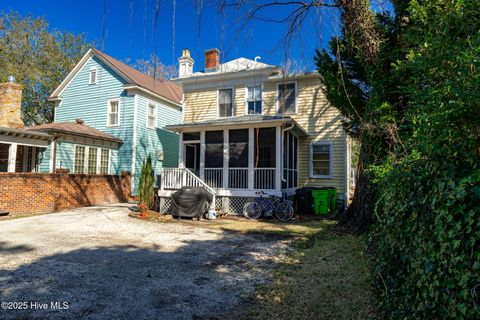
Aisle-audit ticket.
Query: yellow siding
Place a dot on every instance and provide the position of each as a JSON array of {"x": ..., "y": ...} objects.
[
  {"x": 321, "y": 120},
  {"x": 200, "y": 106}
]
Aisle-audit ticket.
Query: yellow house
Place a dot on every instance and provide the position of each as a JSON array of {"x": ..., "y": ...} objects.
[{"x": 247, "y": 126}]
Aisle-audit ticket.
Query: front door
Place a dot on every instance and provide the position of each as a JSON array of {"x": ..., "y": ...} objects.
[{"x": 192, "y": 157}]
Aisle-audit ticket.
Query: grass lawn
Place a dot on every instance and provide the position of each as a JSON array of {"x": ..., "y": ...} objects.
[{"x": 324, "y": 276}]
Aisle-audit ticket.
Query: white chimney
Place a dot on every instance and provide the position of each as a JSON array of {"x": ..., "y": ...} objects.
[{"x": 185, "y": 64}]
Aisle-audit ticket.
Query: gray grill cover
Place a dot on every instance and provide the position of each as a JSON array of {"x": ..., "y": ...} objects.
[{"x": 191, "y": 202}]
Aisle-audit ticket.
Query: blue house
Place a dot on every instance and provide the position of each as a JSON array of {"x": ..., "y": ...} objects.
[{"x": 108, "y": 118}]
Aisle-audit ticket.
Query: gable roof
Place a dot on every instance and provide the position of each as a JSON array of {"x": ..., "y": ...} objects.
[
  {"x": 165, "y": 89},
  {"x": 74, "y": 129}
]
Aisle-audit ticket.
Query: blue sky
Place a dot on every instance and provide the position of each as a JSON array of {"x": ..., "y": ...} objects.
[{"x": 125, "y": 29}]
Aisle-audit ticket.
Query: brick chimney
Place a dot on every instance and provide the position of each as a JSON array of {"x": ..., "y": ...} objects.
[
  {"x": 212, "y": 59},
  {"x": 185, "y": 64},
  {"x": 11, "y": 104}
]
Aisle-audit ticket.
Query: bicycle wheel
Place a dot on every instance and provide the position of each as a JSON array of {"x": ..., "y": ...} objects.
[
  {"x": 284, "y": 211},
  {"x": 252, "y": 210}
]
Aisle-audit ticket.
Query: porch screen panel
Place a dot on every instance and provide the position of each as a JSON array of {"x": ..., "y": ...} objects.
[
  {"x": 238, "y": 160},
  {"x": 214, "y": 149},
  {"x": 238, "y": 148},
  {"x": 264, "y": 158},
  {"x": 214, "y": 158}
]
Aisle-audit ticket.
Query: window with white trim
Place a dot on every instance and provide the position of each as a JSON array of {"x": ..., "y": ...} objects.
[
  {"x": 225, "y": 103},
  {"x": 152, "y": 116},
  {"x": 92, "y": 77},
  {"x": 104, "y": 160},
  {"x": 92, "y": 161},
  {"x": 79, "y": 166},
  {"x": 254, "y": 100},
  {"x": 287, "y": 95},
  {"x": 321, "y": 155},
  {"x": 113, "y": 113}
]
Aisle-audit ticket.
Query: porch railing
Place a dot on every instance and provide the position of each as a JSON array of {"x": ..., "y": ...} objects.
[
  {"x": 175, "y": 178},
  {"x": 238, "y": 178},
  {"x": 214, "y": 177},
  {"x": 264, "y": 178}
]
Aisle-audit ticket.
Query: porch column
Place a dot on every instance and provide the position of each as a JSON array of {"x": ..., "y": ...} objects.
[
  {"x": 202, "y": 155},
  {"x": 12, "y": 157},
  {"x": 251, "y": 156},
  {"x": 226, "y": 157},
  {"x": 278, "y": 158},
  {"x": 181, "y": 164}
]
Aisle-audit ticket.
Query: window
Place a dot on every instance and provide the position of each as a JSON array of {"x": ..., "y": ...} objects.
[
  {"x": 113, "y": 113},
  {"x": 104, "y": 161},
  {"x": 286, "y": 97},
  {"x": 152, "y": 116},
  {"x": 225, "y": 103},
  {"x": 92, "y": 79},
  {"x": 321, "y": 160},
  {"x": 254, "y": 100},
  {"x": 79, "y": 159},
  {"x": 92, "y": 161}
]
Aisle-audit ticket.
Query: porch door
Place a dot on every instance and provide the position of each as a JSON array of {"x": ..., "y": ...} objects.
[{"x": 192, "y": 157}]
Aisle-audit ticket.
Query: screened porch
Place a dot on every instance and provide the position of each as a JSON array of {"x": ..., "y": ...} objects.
[{"x": 238, "y": 160}]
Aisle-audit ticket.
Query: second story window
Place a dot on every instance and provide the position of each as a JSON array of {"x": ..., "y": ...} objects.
[
  {"x": 152, "y": 116},
  {"x": 225, "y": 103},
  {"x": 287, "y": 93},
  {"x": 254, "y": 100},
  {"x": 92, "y": 78},
  {"x": 113, "y": 114}
]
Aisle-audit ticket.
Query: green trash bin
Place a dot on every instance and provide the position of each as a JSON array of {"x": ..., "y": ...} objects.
[
  {"x": 333, "y": 199},
  {"x": 321, "y": 201}
]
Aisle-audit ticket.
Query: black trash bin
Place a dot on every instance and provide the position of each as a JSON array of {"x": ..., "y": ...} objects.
[{"x": 304, "y": 200}]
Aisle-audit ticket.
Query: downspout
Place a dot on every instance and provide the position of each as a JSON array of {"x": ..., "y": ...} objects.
[{"x": 283, "y": 134}]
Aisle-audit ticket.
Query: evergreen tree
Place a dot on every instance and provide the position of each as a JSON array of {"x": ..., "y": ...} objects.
[{"x": 145, "y": 186}]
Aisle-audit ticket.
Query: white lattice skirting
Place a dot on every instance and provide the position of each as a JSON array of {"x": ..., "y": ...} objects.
[{"x": 230, "y": 205}]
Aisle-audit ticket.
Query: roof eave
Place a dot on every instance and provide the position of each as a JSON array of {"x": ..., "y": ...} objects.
[
  {"x": 131, "y": 86},
  {"x": 77, "y": 134}
]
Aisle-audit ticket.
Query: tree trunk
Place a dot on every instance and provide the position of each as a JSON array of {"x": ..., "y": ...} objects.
[{"x": 359, "y": 215}]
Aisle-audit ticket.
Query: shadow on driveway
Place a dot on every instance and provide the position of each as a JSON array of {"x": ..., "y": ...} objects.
[{"x": 201, "y": 279}]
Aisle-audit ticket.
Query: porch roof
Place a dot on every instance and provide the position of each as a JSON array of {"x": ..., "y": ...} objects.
[
  {"x": 22, "y": 133},
  {"x": 240, "y": 121}
]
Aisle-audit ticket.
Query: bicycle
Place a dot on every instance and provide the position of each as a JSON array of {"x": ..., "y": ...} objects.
[{"x": 268, "y": 205}]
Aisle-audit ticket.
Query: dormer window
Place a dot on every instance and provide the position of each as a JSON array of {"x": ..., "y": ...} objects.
[
  {"x": 287, "y": 97},
  {"x": 92, "y": 79},
  {"x": 225, "y": 103},
  {"x": 254, "y": 100}
]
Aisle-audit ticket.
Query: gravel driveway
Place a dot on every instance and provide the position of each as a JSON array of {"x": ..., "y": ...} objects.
[{"x": 97, "y": 263}]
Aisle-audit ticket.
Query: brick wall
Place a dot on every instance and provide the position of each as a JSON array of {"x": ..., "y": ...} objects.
[{"x": 44, "y": 193}]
